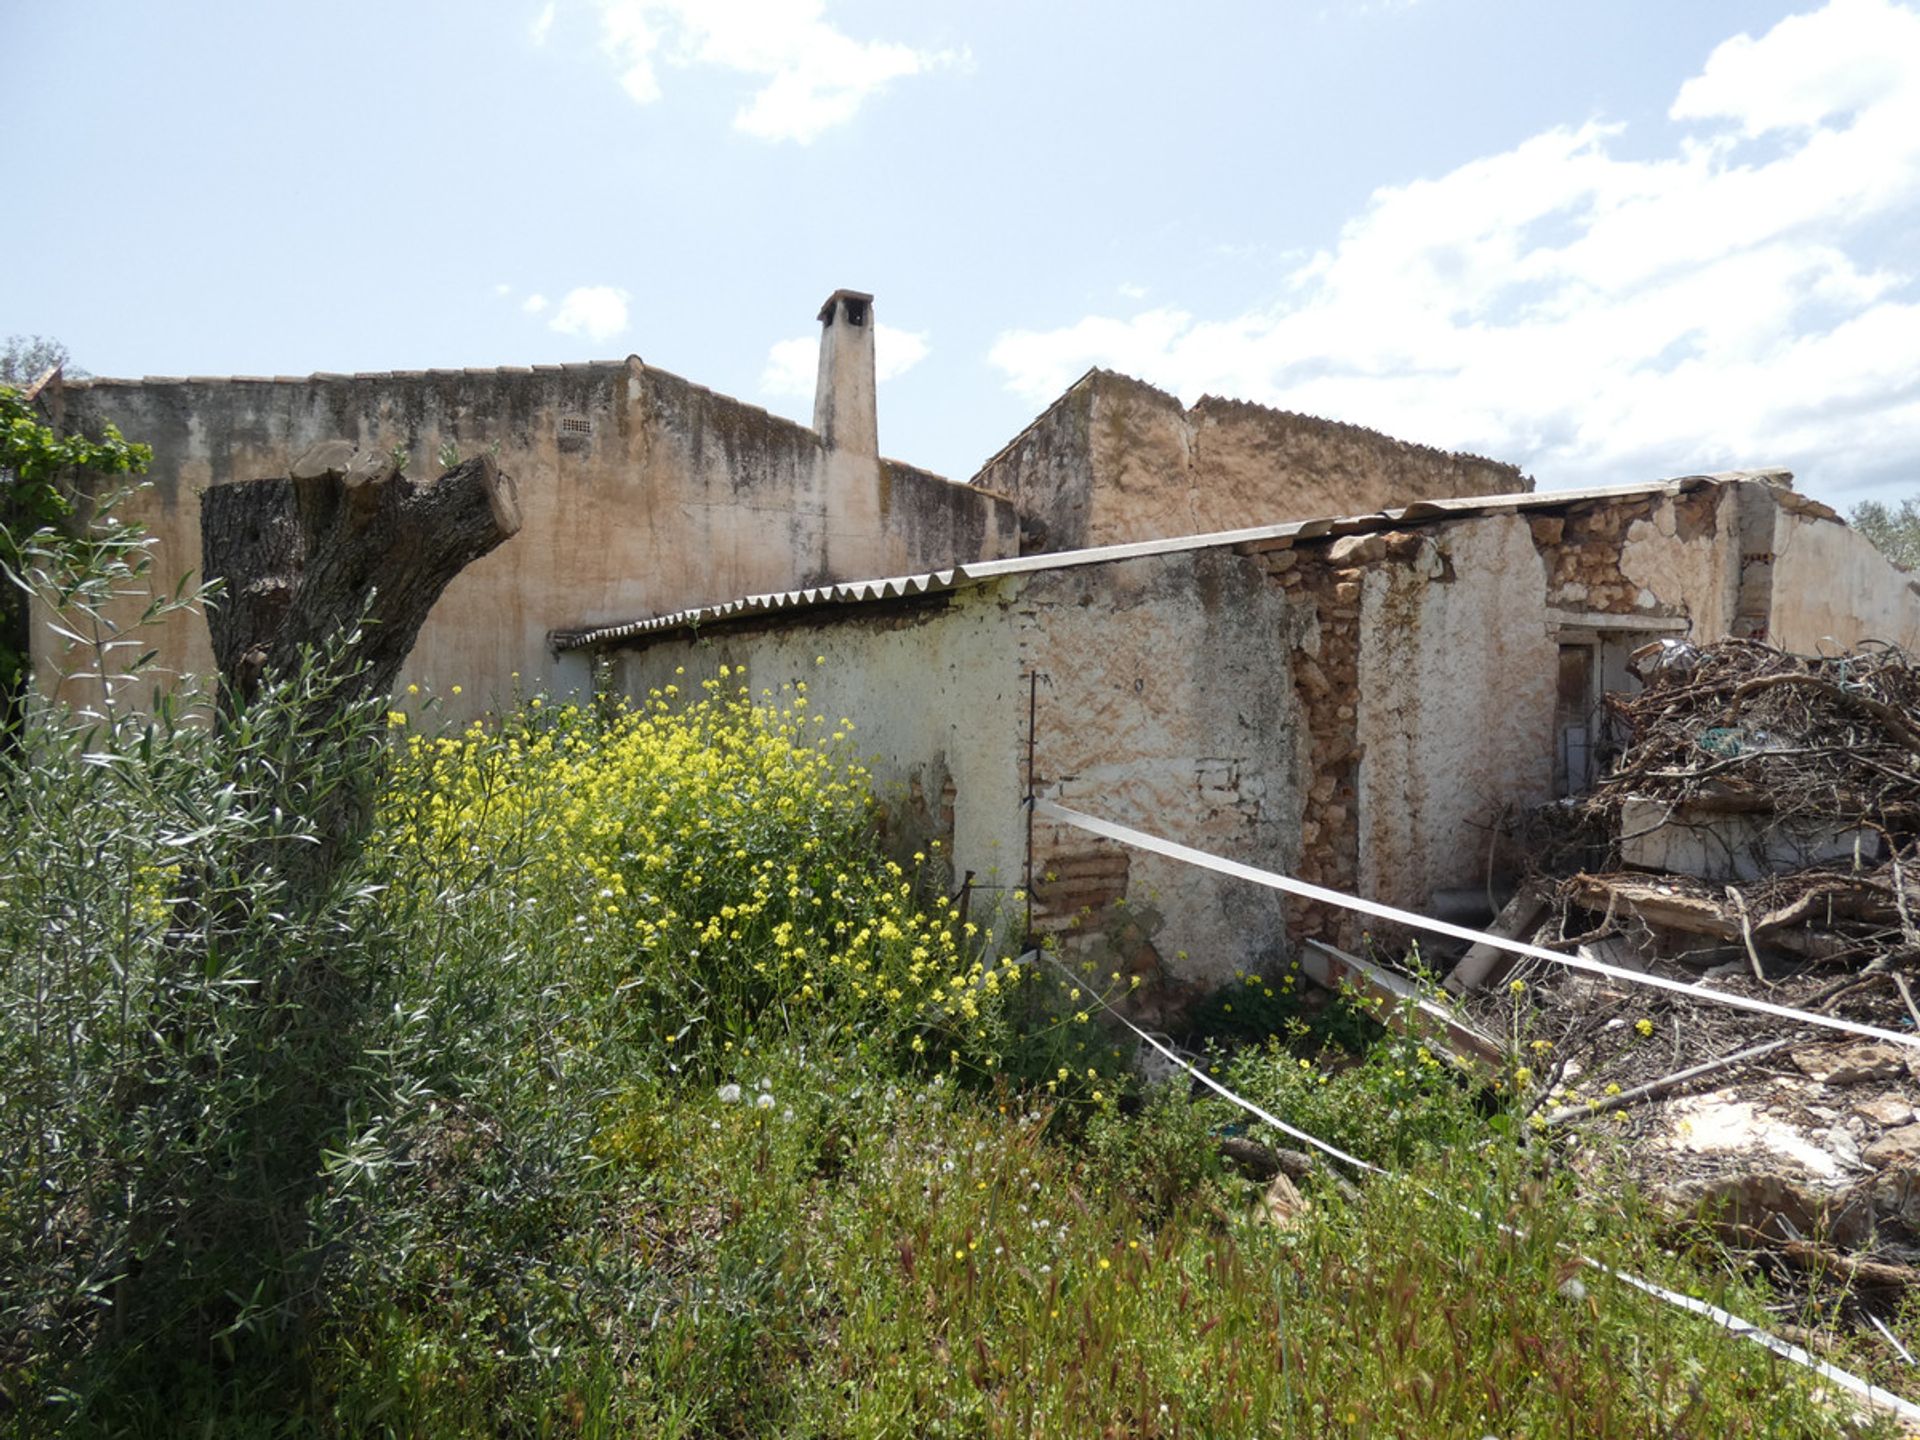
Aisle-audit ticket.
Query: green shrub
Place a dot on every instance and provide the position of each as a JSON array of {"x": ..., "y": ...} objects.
[
  {"x": 1395, "y": 1103},
  {"x": 182, "y": 1029},
  {"x": 711, "y": 861},
  {"x": 1062, "y": 1043},
  {"x": 1159, "y": 1156}
]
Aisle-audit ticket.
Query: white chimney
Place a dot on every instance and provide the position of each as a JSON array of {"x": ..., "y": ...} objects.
[{"x": 844, "y": 410}]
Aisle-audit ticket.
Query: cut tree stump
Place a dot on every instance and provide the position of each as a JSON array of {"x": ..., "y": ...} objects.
[
  {"x": 344, "y": 536},
  {"x": 343, "y": 542}
]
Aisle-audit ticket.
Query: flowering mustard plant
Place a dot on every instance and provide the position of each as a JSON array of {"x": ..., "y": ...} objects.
[{"x": 712, "y": 857}]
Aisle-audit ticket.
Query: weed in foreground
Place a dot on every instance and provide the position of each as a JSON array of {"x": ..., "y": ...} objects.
[{"x": 640, "y": 1141}]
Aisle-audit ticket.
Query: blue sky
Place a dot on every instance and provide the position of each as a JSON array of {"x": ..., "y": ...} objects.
[{"x": 1607, "y": 241}]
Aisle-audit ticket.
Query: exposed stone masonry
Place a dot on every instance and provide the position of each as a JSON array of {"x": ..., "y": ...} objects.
[
  {"x": 1582, "y": 549},
  {"x": 1328, "y": 576},
  {"x": 1117, "y": 460}
]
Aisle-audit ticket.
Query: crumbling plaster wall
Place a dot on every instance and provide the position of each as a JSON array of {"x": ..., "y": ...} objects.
[
  {"x": 1429, "y": 686},
  {"x": 1116, "y": 460},
  {"x": 641, "y": 493},
  {"x": 934, "y": 689},
  {"x": 1661, "y": 557},
  {"x": 1167, "y": 704},
  {"x": 1684, "y": 557},
  {"x": 1457, "y": 671},
  {"x": 1832, "y": 588},
  {"x": 1468, "y": 627},
  {"x": 1356, "y": 711},
  {"x": 1742, "y": 558}
]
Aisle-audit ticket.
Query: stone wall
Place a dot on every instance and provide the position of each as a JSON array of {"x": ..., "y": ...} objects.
[
  {"x": 1452, "y": 690},
  {"x": 1661, "y": 555},
  {"x": 1158, "y": 705},
  {"x": 1447, "y": 722},
  {"x": 1115, "y": 460},
  {"x": 642, "y": 493},
  {"x": 1457, "y": 675},
  {"x": 1324, "y": 580},
  {"x": 1360, "y": 711},
  {"x": 1743, "y": 557},
  {"x": 1047, "y": 471},
  {"x": 1167, "y": 702}
]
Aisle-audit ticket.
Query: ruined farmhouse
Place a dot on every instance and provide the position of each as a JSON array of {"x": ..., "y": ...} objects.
[{"x": 1297, "y": 642}]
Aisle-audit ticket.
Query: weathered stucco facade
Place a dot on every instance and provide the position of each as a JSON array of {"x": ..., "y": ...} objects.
[
  {"x": 1831, "y": 586},
  {"x": 1115, "y": 460},
  {"x": 1356, "y": 702},
  {"x": 1353, "y": 702},
  {"x": 640, "y": 493},
  {"x": 1157, "y": 704}
]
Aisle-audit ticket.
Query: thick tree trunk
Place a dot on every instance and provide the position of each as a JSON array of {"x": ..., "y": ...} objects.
[
  {"x": 344, "y": 536},
  {"x": 345, "y": 540}
]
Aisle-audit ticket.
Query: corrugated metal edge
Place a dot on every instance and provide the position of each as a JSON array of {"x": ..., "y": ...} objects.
[
  {"x": 850, "y": 592},
  {"x": 857, "y": 591}
]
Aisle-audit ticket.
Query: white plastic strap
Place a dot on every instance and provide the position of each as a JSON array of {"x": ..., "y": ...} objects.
[
  {"x": 1875, "y": 1397},
  {"x": 1141, "y": 840}
]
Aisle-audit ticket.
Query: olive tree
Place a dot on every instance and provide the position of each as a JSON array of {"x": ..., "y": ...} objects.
[{"x": 1894, "y": 528}]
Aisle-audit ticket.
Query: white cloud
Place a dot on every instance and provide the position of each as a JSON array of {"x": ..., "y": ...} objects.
[
  {"x": 1130, "y": 291},
  {"x": 598, "y": 312},
  {"x": 534, "y": 304},
  {"x": 503, "y": 288},
  {"x": 793, "y": 366},
  {"x": 896, "y": 351},
  {"x": 1845, "y": 59},
  {"x": 542, "y": 25},
  {"x": 1604, "y": 318},
  {"x": 815, "y": 77}
]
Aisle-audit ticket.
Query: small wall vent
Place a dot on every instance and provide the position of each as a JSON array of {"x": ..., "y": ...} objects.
[{"x": 576, "y": 427}]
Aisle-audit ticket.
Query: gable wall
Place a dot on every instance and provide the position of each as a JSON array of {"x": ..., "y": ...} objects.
[{"x": 1115, "y": 460}]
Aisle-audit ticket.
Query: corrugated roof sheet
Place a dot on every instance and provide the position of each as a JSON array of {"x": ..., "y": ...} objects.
[{"x": 898, "y": 586}]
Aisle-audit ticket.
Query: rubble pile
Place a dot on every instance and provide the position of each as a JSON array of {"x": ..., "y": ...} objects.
[
  {"x": 1738, "y": 723},
  {"x": 1758, "y": 832},
  {"x": 1776, "y": 797}
]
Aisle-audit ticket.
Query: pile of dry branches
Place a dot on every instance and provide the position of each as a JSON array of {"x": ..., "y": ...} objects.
[
  {"x": 1832, "y": 742},
  {"x": 1739, "y": 721}
]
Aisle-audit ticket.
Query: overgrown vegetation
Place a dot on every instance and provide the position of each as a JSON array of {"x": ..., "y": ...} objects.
[
  {"x": 36, "y": 509},
  {"x": 617, "y": 1086}
]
